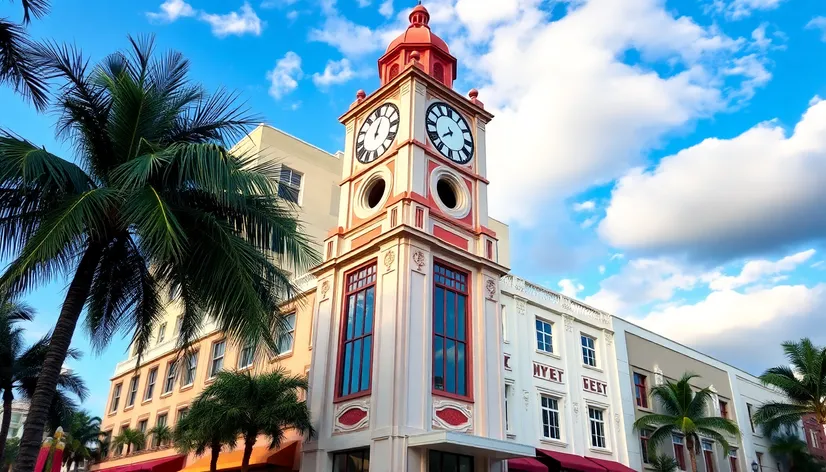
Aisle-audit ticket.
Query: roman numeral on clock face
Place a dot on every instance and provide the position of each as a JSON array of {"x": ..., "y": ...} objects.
[
  {"x": 449, "y": 132},
  {"x": 377, "y": 133}
]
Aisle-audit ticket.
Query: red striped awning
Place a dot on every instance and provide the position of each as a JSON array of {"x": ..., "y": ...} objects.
[
  {"x": 572, "y": 462},
  {"x": 165, "y": 464},
  {"x": 526, "y": 464},
  {"x": 611, "y": 465}
]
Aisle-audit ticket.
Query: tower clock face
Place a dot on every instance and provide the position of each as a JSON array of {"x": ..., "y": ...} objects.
[
  {"x": 377, "y": 133},
  {"x": 449, "y": 132}
]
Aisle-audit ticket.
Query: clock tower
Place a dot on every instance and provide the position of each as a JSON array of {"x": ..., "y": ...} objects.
[{"x": 407, "y": 371}]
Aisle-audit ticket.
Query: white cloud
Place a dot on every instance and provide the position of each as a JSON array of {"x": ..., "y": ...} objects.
[
  {"x": 722, "y": 198},
  {"x": 818, "y": 23},
  {"x": 277, "y": 3},
  {"x": 570, "y": 288},
  {"x": 235, "y": 23},
  {"x": 171, "y": 10},
  {"x": 756, "y": 270},
  {"x": 739, "y": 9},
  {"x": 589, "y": 222},
  {"x": 284, "y": 77},
  {"x": 363, "y": 3},
  {"x": 589, "y": 205},
  {"x": 386, "y": 8},
  {"x": 335, "y": 72},
  {"x": 602, "y": 269},
  {"x": 292, "y": 15},
  {"x": 352, "y": 39}
]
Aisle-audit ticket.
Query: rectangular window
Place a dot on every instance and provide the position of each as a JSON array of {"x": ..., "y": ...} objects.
[
  {"x": 815, "y": 439},
  {"x": 450, "y": 331},
  {"x": 550, "y": 418},
  {"x": 356, "y": 348},
  {"x": 589, "y": 352},
  {"x": 640, "y": 390},
  {"x": 508, "y": 388},
  {"x": 352, "y": 461},
  {"x": 247, "y": 356},
  {"x": 150, "y": 384},
  {"x": 217, "y": 364},
  {"x": 289, "y": 184},
  {"x": 285, "y": 343},
  {"x": 191, "y": 363},
  {"x": 178, "y": 322},
  {"x": 708, "y": 455},
  {"x": 644, "y": 436},
  {"x": 505, "y": 324},
  {"x": 133, "y": 391},
  {"x": 597, "y": 420},
  {"x": 160, "y": 421},
  {"x": 181, "y": 413},
  {"x": 751, "y": 421},
  {"x": 439, "y": 461},
  {"x": 544, "y": 337},
  {"x": 116, "y": 397},
  {"x": 732, "y": 460},
  {"x": 723, "y": 409},
  {"x": 679, "y": 450},
  {"x": 161, "y": 333},
  {"x": 142, "y": 428},
  {"x": 170, "y": 377}
]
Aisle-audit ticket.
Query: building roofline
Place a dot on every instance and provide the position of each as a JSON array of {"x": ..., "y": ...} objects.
[{"x": 267, "y": 125}]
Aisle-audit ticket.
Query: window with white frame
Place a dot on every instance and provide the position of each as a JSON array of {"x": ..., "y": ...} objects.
[
  {"x": 289, "y": 184},
  {"x": 285, "y": 343},
  {"x": 679, "y": 450},
  {"x": 550, "y": 417},
  {"x": 815, "y": 439},
  {"x": 708, "y": 455},
  {"x": 589, "y": 350},
  {"x": 190, "y": 368},
  {"x": 133, "y": 391},
  {"x": 161, "y": 333},
  {"x": 505, "y": 323},
  {"x": 217, "y": 364},
  {"x": 169, "y": 384},
  {"x": 247, "y": 356},
  {"x": 116, "y": 397},
  {"x": 544, "y": 336},
  {"x": 178, "y": 322},
  {"x": 150, "y": 384},
  {"x": 508, "y": 391},
  {"x": 596, "y": 418}
]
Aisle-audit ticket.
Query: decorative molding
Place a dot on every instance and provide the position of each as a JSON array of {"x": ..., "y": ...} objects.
[
  {"x": 658, "y": 375},
  {"x": 616, "y": 421},
  {"x": 389, "y": 258},
  {"x": 350, "y": 127},
  {"x": 521, "y": 306},
  {"x": 550, "y": 297},
  {"x": 490, "y": 287},
  {"x": 420, "y": 88},
  {"x": 576, "y": 408},
  {"x": 452, "y": 415},
  {"x": 419, "y": 260},
  {"x": 569, "y": 323},
  {"x": 609, "y": 337},
  {"x": 351, "y": 416},
  {"x": 325, "y": 289},
  {"x": 526, "y": 396}
]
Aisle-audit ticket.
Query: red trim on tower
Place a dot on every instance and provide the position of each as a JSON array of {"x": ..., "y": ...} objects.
[
  {"x": 365, "y": 238},
  {"x": 450, "y": 237},
  {"x": 468, "y": 328}
]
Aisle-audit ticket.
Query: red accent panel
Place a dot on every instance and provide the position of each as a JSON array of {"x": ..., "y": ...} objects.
[
  {"x": 452, "y": 416},
  {"x": 450, "y": 237},
  {"x": 419, "y": 217},
  {"x": 366, "y": 237},
  {"x": 352, "y": 416}
]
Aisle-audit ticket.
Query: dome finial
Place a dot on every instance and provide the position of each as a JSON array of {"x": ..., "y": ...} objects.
[{"x": 419, "y": 16}]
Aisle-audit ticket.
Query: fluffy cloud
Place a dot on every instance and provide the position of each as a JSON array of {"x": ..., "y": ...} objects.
[
  {"x": 570, "y": 288},
  {"x": 818, "y": 23},
  {"x": 350, "y": 38},
  {"x": 589, "y": 205},
  {"x": 727, "y": 197},
  {"x": 386, "y": 8},
  {"x": 756, "y": 270},
  {"x": 739, "y": 9},
  {"x": 234, "y": 23},
  {"x": 284, "y": 77},
  {"x": 171, "y": 10},
  {"x": 335, "y": 72}
]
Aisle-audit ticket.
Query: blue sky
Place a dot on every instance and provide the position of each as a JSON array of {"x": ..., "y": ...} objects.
[{"x": 662, "y": 160}]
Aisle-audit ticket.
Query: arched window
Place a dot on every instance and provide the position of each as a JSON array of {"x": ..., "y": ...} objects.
[
  {"x": 439, "y": 72},
  {"x": 394, "y": 71}
]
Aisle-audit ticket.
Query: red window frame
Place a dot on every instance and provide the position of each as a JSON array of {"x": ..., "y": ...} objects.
[
  {"x": 644, "y": 436},
  {"x": 709, "y": 457},
  {"x": 459, "y": 284},
  {"x": 723, "y": 409},
  {"x": 356, "y": 281},
  {"x": 640, "y": 390},
  {"x": 679, "y": 454},
  {"x": 732, "y": 461}
]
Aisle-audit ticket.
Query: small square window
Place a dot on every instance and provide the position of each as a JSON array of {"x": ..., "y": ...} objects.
[
  {"x": 544, "y": 336},
  {"x": 289, "y": 184}
]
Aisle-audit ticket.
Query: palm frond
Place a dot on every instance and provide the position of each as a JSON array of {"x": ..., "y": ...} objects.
[{"x": 18, "y": 65}]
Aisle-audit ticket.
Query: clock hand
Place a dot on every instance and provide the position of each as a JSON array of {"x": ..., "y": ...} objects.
[
  {"x": 448, "y": 134},
  {"x": 378, "y": 128}
]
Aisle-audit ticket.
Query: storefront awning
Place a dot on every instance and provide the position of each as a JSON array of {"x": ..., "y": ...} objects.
[
  {"x": 165, "y": 464},
  {"x": 283, "y": 457},
  {"x": 611, "y": 465},
  {"x": 468, "y": 444},
  {"x": 571, "y": 461},
  {"x": 526, "y": 464}
]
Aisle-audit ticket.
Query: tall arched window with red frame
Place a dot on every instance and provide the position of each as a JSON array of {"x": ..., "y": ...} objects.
[
  {"x": 356, "y": 347},
  {"x": 451, "y": 343}
]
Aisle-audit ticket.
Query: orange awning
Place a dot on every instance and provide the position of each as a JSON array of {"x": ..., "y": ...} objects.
[{"x": 283, "y": 457}]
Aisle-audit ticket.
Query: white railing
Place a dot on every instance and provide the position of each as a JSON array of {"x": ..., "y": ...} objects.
[{"x": 522, "y": 287}]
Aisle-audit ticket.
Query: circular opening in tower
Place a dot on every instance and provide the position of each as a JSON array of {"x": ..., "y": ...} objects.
[
  {"x": 375, "y": 192},
  {"x": 447, "y": 193}
]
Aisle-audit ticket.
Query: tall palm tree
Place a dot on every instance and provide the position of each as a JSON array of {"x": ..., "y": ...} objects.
[
  {"x": 82, "y": 437},
  {"x": 205, "y": 427},
  {"x": 20, "y": 367},
  {"x": 265, "y": 404},
  {"x": 155, "y": 204},
  {"x": 19, "y": 64},
  {"x": 803, "y": 382},
  {"x": 127, "y": 437},
  {"x": 161, "y": 435},
  {"x": 684, "y": 412}
]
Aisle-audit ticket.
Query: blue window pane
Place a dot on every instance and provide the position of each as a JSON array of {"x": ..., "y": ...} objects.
[
  {"x": 359, "y": 316},
  {"x": 348, "y": 357},
  {"x": 354, "y": 380},
  {"x": 351, "y": 308},
  {"x": 461, "y": 367},
  {"x": 450, "y": 307},
  {"x": 368, "y": 316},
  {"x": 438, "y": 311},
  {"x": 450, "y": 371},
  {"x": 461, "y": 318},
  {"x": 365, "y": 363},
  {"x": 438, "y": 364}
]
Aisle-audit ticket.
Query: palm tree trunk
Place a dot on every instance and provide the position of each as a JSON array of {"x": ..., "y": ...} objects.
[
  {"x": 213, "y": 461},
  {"x": 249, "y": 442},
  {"x": 58, "y": 347},
  {"x": 691, "y": 455},
  {"x": 8, "y": 396}
]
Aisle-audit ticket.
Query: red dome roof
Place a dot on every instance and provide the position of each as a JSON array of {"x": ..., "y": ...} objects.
[{"x": 418, "y": 32}]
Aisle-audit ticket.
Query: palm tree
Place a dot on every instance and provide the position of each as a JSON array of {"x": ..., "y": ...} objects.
[
  {"x": 82, "y": 437},
  {"x": 803, "y": 382},
  {"x": 663, "y": 463},
  {"x": 128, "y": 437},
  {"x": 793, "y": 451},
  {"x": 205, "y": 427},
  {"x": 19, "y": 65},
  {"x": 20, "y": 367},
  {"x": 156, "y": 204},
  {"x": 12, "y": 448},
  {"x": 251, "y": 405},
  {"x": 684, "y": 412},
  {"x": 161, "y": 434}
]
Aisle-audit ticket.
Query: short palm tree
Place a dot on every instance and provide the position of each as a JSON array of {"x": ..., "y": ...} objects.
[
  {"x": 155, "y": 204},
  {"x": 684, "y": 412},
  {"x": 663, "y": 463},
  {"x": 19, "y": 65},
  {"x": 264, "y": 404},
  {"x": 20, "y": 366},
  {"x": 161, "y": 435},
  {"x": 127, "y": 438},
  {"x": 82, "y": 437},
  {"x": 12, "y": 448},
  {"x": 205, "y": 427},
  {"x": 803, "y": 382}
]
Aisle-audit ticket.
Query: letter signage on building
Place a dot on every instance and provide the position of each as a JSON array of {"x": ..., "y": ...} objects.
[
  {"x": 546, "y": 372},
  {"x": 594, "y": 386},
  {"x": 507, "y": 362}
]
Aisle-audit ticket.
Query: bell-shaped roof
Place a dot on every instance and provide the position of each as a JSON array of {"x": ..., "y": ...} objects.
[{"x": 418, "y": 32}]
